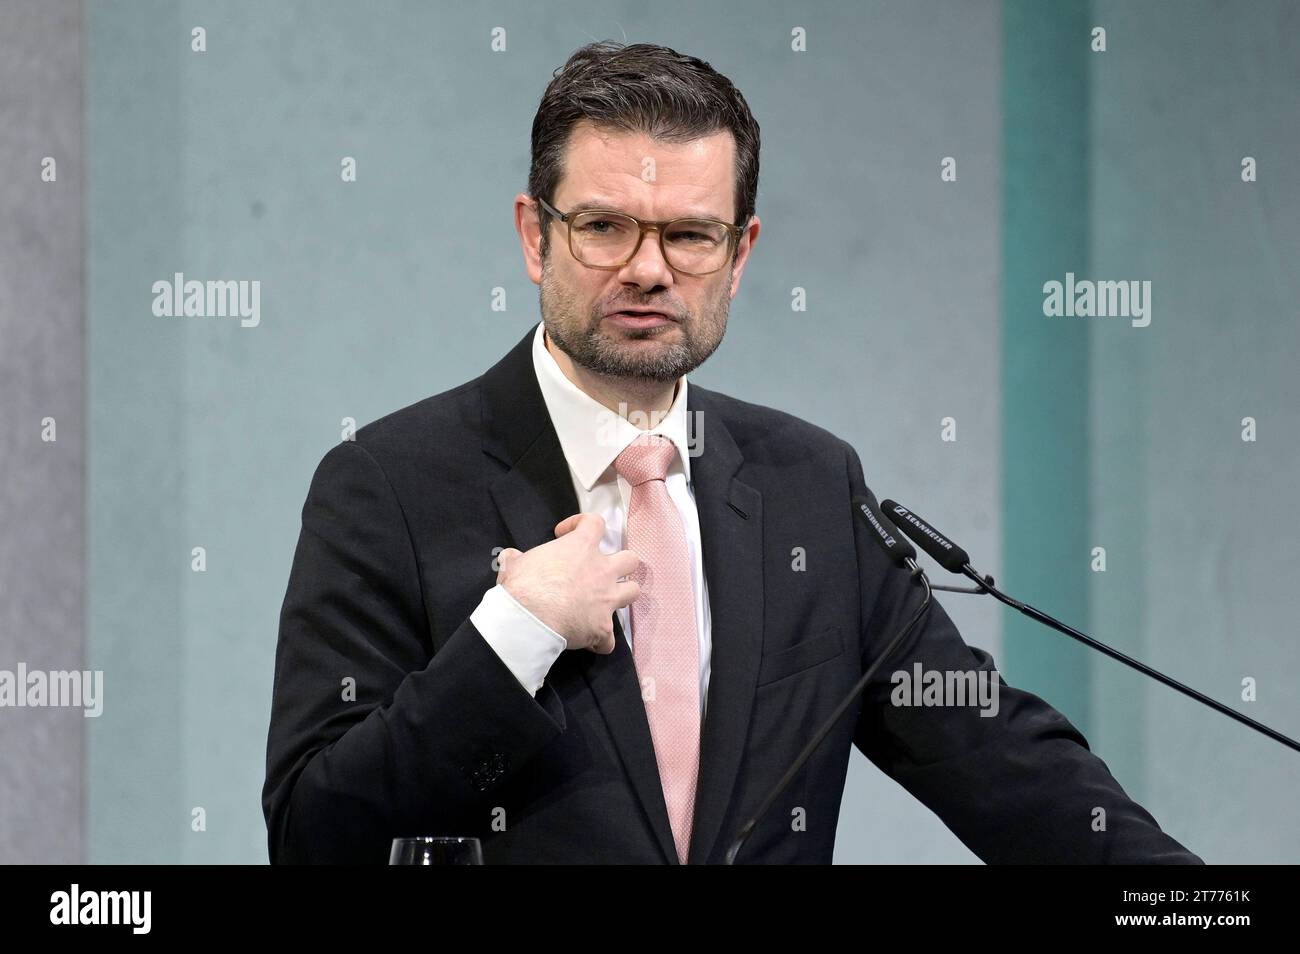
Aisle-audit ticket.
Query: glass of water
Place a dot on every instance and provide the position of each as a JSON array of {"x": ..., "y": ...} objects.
[{"x": 431, "y": 850}]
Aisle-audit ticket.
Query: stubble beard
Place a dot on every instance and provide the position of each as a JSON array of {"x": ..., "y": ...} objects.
[{"x": 583, "y": 337}]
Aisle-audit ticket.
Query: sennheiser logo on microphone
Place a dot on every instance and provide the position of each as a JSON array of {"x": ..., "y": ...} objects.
[
  {"x": 885, "y": 535},
  {"x": 907, "y": 515}
]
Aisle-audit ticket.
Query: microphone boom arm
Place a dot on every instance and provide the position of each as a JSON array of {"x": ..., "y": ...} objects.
[{"x": 986, "y": 586}]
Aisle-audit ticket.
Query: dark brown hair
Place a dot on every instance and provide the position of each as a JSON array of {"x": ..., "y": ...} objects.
[{"x": 640, "y": 88}]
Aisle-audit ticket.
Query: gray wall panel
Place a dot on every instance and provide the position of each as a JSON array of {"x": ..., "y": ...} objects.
[{"x": 42, "y": 483}]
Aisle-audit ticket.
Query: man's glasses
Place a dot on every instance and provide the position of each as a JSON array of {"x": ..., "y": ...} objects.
[{"x": 601, "y": 238}]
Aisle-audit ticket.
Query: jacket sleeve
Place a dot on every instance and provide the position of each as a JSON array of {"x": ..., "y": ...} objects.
[
  {"x": 373, "y": 735},
  {"x": 1021, "y": 787}
]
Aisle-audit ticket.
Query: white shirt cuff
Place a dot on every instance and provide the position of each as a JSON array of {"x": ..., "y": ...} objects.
[{"x": 525, "y": 644}]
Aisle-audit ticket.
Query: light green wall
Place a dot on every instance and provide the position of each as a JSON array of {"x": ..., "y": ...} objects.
[{"x": 1201, "y": 528}]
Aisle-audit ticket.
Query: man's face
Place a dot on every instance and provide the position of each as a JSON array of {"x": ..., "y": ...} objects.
[{"x": 655, "y": 181}]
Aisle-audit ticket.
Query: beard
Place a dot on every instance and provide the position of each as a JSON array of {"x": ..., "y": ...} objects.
[{"x": 579, "y": 331}]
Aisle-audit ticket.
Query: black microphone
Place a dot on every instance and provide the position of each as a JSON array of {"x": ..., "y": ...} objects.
[
  {"x": 954, "y": 559},
  {"x": 944, "y": 552},
  {"x": 902, "y": 554},
  {"x": 884, "y": 532}
]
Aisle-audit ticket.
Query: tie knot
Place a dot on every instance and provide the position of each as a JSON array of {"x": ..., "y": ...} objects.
[{"x": 646, "y": 458}]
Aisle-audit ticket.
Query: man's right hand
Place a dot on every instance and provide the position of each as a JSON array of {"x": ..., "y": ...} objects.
[{"x": 570, "y": 585}]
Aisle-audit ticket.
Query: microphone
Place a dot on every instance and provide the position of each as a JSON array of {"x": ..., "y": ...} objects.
[
  {"x": 954, "y": 559},
  {"x": 900, "y": 552},
  {"x": 884, "y": 533},
  {"x": 942, "y": 550}
]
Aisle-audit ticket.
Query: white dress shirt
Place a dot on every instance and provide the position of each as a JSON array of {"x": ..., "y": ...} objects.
[{"x": 591, "y": 437}]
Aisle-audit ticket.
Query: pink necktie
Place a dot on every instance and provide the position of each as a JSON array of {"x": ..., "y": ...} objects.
[{"x": 665, "y": 644}]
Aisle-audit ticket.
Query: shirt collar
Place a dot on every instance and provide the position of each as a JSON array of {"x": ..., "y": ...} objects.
[{"x": 592, "y": 435}]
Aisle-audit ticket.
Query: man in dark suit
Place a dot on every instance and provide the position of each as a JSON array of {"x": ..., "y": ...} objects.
[{"x": 555, "y": 607}]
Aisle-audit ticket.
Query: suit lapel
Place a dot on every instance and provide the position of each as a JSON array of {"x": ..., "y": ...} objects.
[{"x": 536, "y": 492}]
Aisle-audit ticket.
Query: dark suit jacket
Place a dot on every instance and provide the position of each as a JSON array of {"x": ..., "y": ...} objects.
[{"x": 398, "y": 535}]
